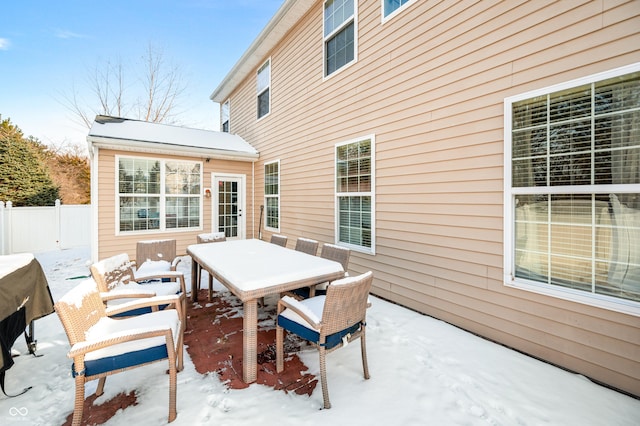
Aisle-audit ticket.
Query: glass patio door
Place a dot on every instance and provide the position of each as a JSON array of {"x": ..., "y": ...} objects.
[{"x": 228, "y": 208}]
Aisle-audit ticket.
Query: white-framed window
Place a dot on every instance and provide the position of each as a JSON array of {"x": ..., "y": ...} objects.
[
  {"x": 340, "y": 34},
  {"x": 225, "y": 116},
  {"x": 355, "y": 194},
  {"x": 263, "y": 87},
  {"x": 393, "y": 7},
  {"x": 272, "y": 196},
  {"x": 572, "y": 190},
  {"x": 158, "y": 195}
]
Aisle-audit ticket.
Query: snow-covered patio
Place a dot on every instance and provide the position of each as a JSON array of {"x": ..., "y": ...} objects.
[{"x": 423, "y": 371}]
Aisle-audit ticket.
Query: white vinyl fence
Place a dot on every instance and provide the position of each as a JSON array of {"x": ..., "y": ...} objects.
[{"x": 37, "y": 229}]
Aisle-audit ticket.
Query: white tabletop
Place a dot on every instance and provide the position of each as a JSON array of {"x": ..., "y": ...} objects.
[{"x": 250, "y": 265}]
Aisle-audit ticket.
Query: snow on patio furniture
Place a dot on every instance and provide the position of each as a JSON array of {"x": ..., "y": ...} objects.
[
  {"x": 331, "y": 252},
  {"x": 329, "y": 322},
  {"x": 307, "y": 245},
  {"x": 117, "y": 281},
  {"x": 280, "y": 240},
  {"x": 101, "y": 346},
  {"x": 212, "y": 237},
  {"x": 155, "y": 257}
]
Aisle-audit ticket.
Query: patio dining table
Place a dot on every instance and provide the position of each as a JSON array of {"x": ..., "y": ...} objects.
[{"x": 252, "y": 269}]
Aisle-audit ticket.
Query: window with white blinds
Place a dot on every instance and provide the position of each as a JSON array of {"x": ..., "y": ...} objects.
[
  {"x": 263, "y": 89},
  {"x": 572, "y": 189},
  {"x": 272, "y": 196},
  {"x": 355, "y": 194}
]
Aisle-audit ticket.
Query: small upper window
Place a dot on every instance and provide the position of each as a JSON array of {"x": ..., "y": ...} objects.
[
  {"x": 224, "y": 117},
  {"x": 339, "y": 34},
  {"x": 391, "y": 6},
  {"x": 264, "y": 84}
]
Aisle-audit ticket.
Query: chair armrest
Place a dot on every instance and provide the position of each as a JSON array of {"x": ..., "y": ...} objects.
[
  {"x": 147, "y": 302},
  {"x": 297, "y": 307},
  {"x": 82, "y": 348},
  {"x": 174, "y": 264},
  {"x": 122, "y": 293}
]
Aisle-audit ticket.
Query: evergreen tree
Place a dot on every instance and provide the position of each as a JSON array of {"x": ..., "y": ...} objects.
[{"x": 24, "y": 179}]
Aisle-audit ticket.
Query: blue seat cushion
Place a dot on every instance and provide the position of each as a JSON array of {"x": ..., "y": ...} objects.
[
  {"x": 126, "y": 360},
  {"x": 311, "y": 335},
  {"x": 304, "y": 292}
]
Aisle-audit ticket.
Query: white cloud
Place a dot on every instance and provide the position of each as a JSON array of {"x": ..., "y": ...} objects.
[
  {"x": 4, "y": 43},
  {"x": 67, "y": 34}
]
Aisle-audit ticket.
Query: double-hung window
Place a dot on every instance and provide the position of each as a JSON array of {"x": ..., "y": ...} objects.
[
  {"x": 224, "y": 117},
  {"x": 572, "y": 190},
  {"x": 263, "y": 89},
  {"x": 391, "y": 6},
  {"x": 355, "y": 195},
  {"x": 339, "y": 34},
  {"x": 272, "y": 196},
  {"x": 158, "y": 195}
]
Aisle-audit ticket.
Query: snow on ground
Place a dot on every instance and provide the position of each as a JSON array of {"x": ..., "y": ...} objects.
[{"x": 423, "y": 372}]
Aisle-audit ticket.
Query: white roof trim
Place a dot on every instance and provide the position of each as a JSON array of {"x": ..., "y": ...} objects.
[
  {"x": 141, "y": 136},
  {"x": 285, "y": 18}
]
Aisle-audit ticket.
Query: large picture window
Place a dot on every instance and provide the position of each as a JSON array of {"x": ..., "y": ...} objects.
[
  {"x": 263, "y": 89},
  {"x": 355, "y": 194},
  {"x": 272, "y": 196},
  {"x": 158, "y": 195},
  {"x": 572, "y": 190},
  {"x": 339, "y": 34}
]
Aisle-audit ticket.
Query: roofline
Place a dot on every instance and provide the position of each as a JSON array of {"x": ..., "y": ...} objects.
[
  {"x": 285, "y": 18},
  {"x": 132, "y": 145}
]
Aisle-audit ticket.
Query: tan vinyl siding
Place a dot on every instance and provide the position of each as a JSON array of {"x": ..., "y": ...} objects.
[
  {"x": 430, "y": 84},
  {"x": 111, "y": 243}
]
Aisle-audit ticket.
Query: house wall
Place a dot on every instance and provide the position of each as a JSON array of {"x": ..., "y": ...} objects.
[
  {"x": 109, "y": 243},
  {"x": 430, "y": 84}
]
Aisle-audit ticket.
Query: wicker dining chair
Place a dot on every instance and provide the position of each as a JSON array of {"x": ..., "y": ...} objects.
[
  {"x": 280, "y": 240},
  {"x": 307, "y": 245},
  {"x": 213, "y": 237},
  {"x": 102, "y": 346},
  {"x": 331, "y": 252},
  {"x": 156, "y": 256},
  {"x": 329, "y": 322},
  {"x": 117, "y": 281}
]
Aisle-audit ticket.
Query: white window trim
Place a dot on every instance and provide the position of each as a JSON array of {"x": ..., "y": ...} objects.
[
  {"x": 228, "y": 103},
  {"x": 395, "y": 12},
  {"x": 162, "y": 197},
  {"x": 336, "y": 207},
  {"x": 592, "y": 299},
  {"x": 269, "y": 228},
  {"x": 263, "y": 90},
  {"x": 326, "y": 77}
]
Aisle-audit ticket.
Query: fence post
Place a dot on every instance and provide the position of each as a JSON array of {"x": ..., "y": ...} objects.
[
  {"x": 58, "y": 225},
  {"x": 2, "y": 252},
  {"x": 9, "y": 228}
]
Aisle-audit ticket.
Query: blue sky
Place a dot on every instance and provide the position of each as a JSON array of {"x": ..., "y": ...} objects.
[{"x": 49, "y": 47}]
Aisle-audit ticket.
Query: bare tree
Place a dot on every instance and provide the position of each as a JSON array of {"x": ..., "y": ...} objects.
[{"x": 154, "y": 96}]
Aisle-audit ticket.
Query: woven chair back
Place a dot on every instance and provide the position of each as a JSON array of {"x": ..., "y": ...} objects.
[
  {"x": 79, "y": 310},
  {"x": 155, "y": 250},
  {"x": 112, "y": 272},
  {"x": 336, "y": 253},
  {"x": 346, "y": 303},
  {"x": 280, "y": 240},
  {"x": 306, "y": 245}
]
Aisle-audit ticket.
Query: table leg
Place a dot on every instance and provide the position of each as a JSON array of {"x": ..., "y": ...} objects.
[
  {"x": 250, "y": 342},
  {"x": 194, "y": 280}
]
